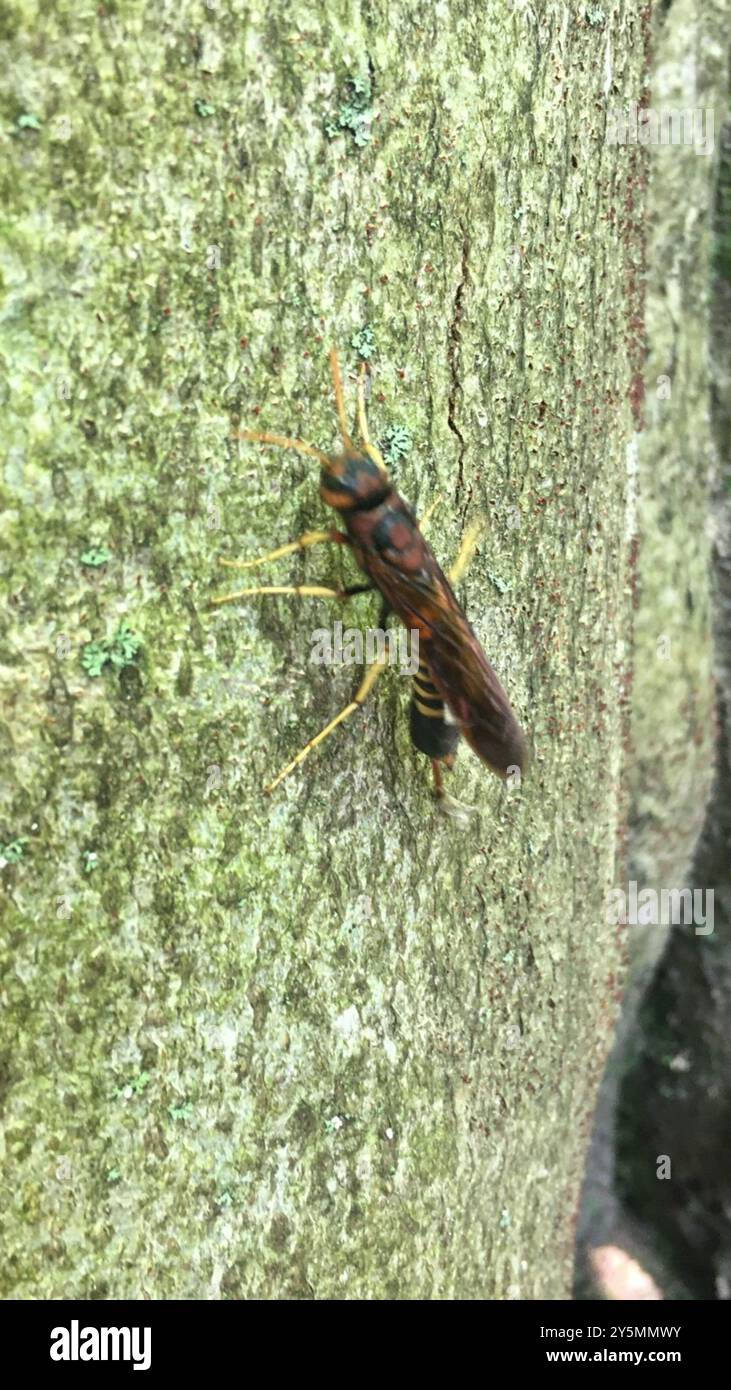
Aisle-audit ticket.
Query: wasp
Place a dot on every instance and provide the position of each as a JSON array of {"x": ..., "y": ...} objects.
[{"x": 455, "y": 690}]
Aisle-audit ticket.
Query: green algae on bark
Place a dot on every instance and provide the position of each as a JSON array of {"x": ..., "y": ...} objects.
[{"x": 370, "y": 1038}]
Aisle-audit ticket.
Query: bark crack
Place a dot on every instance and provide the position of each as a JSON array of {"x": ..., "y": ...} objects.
[{"x": 454, "y": 341}]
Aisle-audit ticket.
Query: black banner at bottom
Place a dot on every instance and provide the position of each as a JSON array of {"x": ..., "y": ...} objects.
[{"x": 149, "y": 1339}]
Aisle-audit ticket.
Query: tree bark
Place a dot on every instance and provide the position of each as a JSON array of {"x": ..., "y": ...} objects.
[
  {"x": 329, "y": 1044},
  {"x": 678, "y": 747}
]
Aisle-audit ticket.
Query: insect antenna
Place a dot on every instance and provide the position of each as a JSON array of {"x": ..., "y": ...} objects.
[
  {"x": 370, "y": 448},
  {"x": 340, "y": 399},
  {"x": 283, "y": 442},
  {"x": 362, "y": 420}
]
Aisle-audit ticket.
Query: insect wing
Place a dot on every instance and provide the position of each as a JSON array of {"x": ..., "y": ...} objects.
[
  {"x": 468, "y": 684},
  {"x": 457, "y": 664}
]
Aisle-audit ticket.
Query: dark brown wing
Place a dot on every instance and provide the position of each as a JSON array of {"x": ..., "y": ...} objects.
[
  {"x": 424, "y": 599},
  {"x": 470, "y": 687}
]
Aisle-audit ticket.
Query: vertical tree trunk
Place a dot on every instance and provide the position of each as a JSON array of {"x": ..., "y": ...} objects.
[
  {"x": 328, "y": 1044},
  {"x": 677, "y": 717}
]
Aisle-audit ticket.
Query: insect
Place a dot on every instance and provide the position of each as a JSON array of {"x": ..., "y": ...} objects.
[{"x": 455, "y": 691}]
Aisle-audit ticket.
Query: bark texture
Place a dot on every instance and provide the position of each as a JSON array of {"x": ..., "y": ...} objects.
[
  {"x": 332, "y": 1044},
  {"x": 681, "y": 1057},
  {"x": 669, "y": 1067}
]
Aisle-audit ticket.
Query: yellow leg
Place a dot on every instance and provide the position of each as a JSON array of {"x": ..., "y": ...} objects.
[
  {"x": 466, "y": 551},
  {"x": 361, "y": 695},
  {"x": 309, "y": 538},
  {"x": 428, "y": 514},
  {"x": 304, "y": 591}
]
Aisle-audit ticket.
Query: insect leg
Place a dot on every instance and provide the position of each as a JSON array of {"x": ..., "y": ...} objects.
[
  {"x": 358, "y": 699},
  {"x": 309, "y": 538},
  {"x": 303, "y": 590},
  {"x": 456, "y": 810},
  {"x": 466, "y": 551},
  {"x": 438, "y": 783},
  {"x": 428, "y": 514}
]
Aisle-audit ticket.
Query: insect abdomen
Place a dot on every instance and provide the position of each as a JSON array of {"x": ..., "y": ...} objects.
[{"x": 430, "y": 731}]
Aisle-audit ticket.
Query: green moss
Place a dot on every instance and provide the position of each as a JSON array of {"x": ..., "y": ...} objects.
[
  {"x": 181, "y": 1112},
  {"x": 223, "y": 935},
  {"x": 96, "y": 556},
  {"x": 13, "y": 850},
  {"x": 354, "y": 113},
  {"x": 364, "y": 342},
  {"x": 119, "y": 651},
  {"x": 395, "y": 443}
]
